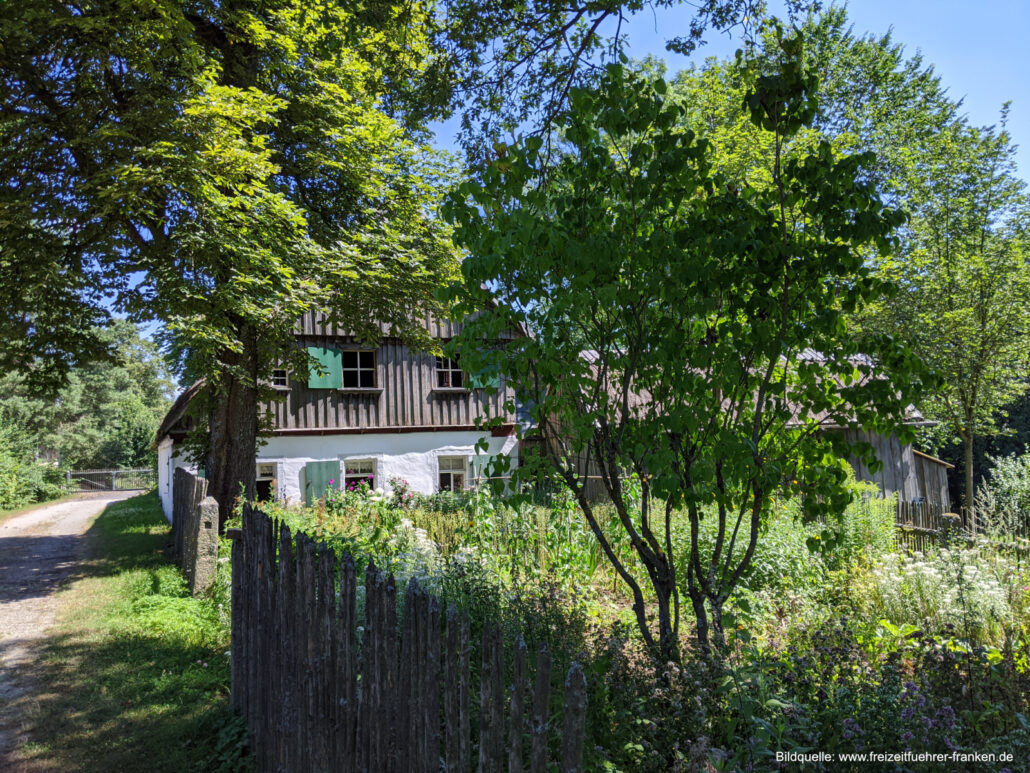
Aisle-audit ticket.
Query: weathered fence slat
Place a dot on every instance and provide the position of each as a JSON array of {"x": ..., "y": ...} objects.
[
  {"x": 321, "y": 692},
  {"x": 574, "y": 720},
  {"x": 431, "y": 706},
  {"x": 491, "y": 702},
  {"x": 285, "y": 712},
  {"x": 541, "y": 711},
  {"x": 407, "y": 716},
  {"x": 347, "y": 661},
  {"x": 518, "y": 689}
]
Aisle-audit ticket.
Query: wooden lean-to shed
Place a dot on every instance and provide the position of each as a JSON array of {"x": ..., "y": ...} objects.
[{"x": 914, "y": 476}]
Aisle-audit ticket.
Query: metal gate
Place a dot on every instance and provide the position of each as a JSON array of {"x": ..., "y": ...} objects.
[{"x": 112, "y": 480}]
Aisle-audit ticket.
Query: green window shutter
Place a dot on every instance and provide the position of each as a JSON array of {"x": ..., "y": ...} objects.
[
  {"x": 485, "y": 380},
  {"x": 318, "y": 478},
  {"x": 331, "y": 362}
]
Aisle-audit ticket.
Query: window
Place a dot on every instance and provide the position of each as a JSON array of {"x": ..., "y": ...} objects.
[
  {"x": 358, "y": 471},
  {"x": 265, "y": 483},
  {"x": 449, "y": 374},
  {"x": 452, "y": 473},
  {"x": 359, "y": 369},
  {"x": 280, "y": 379}
]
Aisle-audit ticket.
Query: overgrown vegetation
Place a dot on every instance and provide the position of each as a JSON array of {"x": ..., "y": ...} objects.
[
  {"x": 135, "y": 676},
  {"x": 859, "y": 645}
]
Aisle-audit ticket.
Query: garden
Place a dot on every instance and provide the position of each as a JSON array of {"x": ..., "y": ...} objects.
[{"x": 864, "y": 646}]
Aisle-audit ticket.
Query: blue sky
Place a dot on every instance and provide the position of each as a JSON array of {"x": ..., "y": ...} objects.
[{"x": 981, "y": 50}]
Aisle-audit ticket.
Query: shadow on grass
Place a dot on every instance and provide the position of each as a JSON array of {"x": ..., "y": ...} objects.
[{"x": 135, "y": 677}]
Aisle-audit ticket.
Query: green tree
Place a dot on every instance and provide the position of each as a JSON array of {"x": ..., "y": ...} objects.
[
  {"x": 224, "y": 168},
  {"x": 965, "y": 278},
  {"x": 516, "y": 62},
  {"x": 686, "y": 327},
  {"x": 104, "y": 416},
  {"x": 962, "y": 256}
]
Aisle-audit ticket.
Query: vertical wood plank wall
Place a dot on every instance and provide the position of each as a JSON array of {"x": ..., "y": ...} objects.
[
  {"x": 405, "y": 397},
  {"x": 323, "y": 687},
  {"x": 911, "y": 475}
]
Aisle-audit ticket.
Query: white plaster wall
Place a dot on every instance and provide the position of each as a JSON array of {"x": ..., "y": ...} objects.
[
  {"x": 408, "y": 455},
  {"x": 164, "y": 476},
  {"x": 167, "y": 460}
]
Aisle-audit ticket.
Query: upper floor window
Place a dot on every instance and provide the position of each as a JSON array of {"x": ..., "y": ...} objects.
[
  {"x": 449, "y": 373},
  {"x": 359, "y": 369},
  {"x": 280, "y": 379}
]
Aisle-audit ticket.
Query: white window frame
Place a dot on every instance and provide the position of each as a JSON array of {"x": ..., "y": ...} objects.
[
  {"x": 447, "y": 368},
  {"x": 450, "y": 471},
  {"x": 359, "y": 476},
  {"x": 280, "y": 382}
]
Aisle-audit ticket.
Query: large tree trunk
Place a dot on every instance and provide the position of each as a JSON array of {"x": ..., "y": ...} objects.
[{"x": 233, "y": 425}]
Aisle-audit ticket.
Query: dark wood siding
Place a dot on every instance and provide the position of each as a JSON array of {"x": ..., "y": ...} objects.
[
  {"x": 404, "y": 398},
  {"x": 314, "y": 324}
]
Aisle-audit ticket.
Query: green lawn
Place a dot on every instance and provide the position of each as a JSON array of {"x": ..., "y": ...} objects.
[{"x": 135, "y": 675}]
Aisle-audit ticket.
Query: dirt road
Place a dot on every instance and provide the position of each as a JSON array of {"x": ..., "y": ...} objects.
[{"x": 39, "y": 551}]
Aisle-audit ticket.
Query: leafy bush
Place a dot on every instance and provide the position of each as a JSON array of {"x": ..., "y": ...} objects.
[
  {"x": 1003, "y": 502},
  {"x": 833, "y": 692},
  {"x": 24, "y": 482}
]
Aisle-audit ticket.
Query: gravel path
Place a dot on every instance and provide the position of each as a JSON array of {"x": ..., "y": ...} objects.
[{"x": 39, "y": 551}]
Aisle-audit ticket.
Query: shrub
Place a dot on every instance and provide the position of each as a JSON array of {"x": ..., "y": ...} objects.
[
  {"x": 948, "y": 590},
  {"x": 1003, "y": 502}
]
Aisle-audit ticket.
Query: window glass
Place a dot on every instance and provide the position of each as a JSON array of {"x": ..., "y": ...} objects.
[
  {"x": 280, "y": 379},
  {"x": 449, "y": 373},
  {"x": 358, "y": 471},
  {"x": 452, "y": 473},
  {"x": 359, "y": 369}
]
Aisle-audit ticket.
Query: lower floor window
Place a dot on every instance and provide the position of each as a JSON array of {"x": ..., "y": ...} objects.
[
  {"x": 452, "y": 473},
  {"x": 265, "y": 482},
  {"x": 358, "y": 471}
]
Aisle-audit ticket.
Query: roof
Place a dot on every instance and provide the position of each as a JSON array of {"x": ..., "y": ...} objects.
[
  {"x": 638, "y": 399},
  {"x": 178, "y": 410},
  {"x": 934, "y": 459}
]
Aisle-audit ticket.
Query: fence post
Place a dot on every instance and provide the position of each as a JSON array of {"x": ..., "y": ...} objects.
[{"x": 575, "y": 720}]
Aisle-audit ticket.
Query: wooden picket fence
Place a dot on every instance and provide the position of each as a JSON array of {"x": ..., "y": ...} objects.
[
  {"x": 322, "y": 690},
  {"x": 922, "y": 524}
]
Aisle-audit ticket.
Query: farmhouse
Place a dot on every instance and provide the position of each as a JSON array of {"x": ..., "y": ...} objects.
[{"x": 374, "y": 413}]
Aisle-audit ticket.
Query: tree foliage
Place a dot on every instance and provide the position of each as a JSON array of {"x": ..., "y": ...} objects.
[
  {"x": 104, "y": 416},
  {"x": 515, "y": 63},
  {"x": 962, "y": 256},
  {"x": 224, "y": 168},
  {"x": 965, "y": 277},
  {"x": 686, "y": 326}
]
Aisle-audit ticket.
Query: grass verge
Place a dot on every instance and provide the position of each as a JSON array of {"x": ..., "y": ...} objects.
[{"x": 134, "y": 676}]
